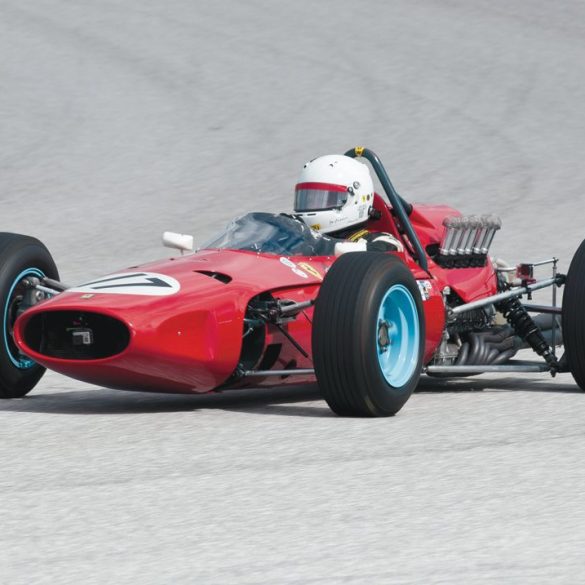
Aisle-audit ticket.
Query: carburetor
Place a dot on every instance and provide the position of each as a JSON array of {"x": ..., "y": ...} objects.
[{"x": 466, "y": 240}]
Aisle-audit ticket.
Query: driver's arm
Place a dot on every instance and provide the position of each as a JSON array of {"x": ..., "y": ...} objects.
[
  {"x": 378, "y": 241},
  {"x": 370, "y": 242}
]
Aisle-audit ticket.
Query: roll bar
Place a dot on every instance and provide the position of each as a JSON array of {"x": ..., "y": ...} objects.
[{"x": 402, "y": 208}]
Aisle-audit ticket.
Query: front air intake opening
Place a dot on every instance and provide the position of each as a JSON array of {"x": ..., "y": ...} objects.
[{"x": 76, "y": 335}]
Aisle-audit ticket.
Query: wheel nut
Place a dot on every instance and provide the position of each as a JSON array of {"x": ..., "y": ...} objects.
[{"x": 383, "y": 337}]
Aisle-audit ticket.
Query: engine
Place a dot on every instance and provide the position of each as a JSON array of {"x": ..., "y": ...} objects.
[{"x": 475, "y": 339}]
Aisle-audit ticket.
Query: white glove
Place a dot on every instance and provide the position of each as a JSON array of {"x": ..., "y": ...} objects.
[{"x": 343, "y": 247}]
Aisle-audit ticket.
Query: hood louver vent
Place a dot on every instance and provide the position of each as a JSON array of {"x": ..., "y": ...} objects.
[{"x": 216, "y": 275}]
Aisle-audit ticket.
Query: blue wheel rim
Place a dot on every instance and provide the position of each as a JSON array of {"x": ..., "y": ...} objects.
[
  {"x": 397, "y": 336},
  {"x": 18, "y": 360}
]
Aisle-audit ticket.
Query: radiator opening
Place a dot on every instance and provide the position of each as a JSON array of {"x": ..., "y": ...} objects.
[{"x": 76, "y": 335}]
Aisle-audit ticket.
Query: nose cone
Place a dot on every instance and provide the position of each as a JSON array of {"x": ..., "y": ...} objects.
[
  {"x": 174, "y": 325},
  {"x": 140, "y": 330}
]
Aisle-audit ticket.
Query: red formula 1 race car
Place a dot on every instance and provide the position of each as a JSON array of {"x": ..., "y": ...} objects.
[{"x": 272, "y": 302}]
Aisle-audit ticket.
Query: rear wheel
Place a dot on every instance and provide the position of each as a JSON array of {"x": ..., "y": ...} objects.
[
  {"x": 573, "y": 317},
  {"x": 21, "y": 257},
  {"x": 368, "y": 335}
]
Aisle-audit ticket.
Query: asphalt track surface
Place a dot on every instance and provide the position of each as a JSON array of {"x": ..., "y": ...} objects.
[{"x": 121, "y": 119}]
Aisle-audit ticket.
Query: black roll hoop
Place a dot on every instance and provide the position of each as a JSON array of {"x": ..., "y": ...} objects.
[{"x": 401, "y": 207}]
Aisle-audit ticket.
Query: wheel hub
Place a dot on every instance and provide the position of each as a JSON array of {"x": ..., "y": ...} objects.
[
  {"x": 397, "y": 335},
  {"x": 383, "y": 335}
]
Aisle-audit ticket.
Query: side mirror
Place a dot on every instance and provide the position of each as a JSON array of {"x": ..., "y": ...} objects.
[{"x": 183, "y": 242}]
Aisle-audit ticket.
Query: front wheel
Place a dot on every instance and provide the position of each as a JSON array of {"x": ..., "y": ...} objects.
[
  {"x": 21, "y": 257},
  {"x": 368, "y": 335}
]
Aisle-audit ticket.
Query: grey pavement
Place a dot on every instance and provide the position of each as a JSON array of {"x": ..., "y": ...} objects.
[{"x": 122, "y": 119}]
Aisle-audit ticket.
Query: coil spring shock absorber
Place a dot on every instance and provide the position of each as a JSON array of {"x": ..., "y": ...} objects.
[{"x": 527, "y": 329}]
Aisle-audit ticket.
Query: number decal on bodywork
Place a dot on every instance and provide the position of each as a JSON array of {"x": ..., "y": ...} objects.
[{"x": 131, "y": 283}]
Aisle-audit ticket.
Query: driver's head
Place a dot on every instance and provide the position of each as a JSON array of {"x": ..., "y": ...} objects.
[{"x": 334, "y": 192}]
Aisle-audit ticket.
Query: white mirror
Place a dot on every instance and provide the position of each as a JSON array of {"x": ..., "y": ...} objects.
[{"x": 183, "y": 242}]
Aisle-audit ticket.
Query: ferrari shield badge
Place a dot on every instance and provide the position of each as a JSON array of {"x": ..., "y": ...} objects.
[{"x": 310, "y": 269}]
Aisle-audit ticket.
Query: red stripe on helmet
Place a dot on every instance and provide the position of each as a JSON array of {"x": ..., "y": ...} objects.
[{"x": 321, "y": 187}]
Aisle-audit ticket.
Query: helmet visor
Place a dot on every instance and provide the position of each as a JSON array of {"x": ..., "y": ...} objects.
[{"x": 319, "y": 196}]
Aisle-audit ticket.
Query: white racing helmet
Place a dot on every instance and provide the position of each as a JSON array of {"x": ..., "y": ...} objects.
[{"x": 334, "y": 192}]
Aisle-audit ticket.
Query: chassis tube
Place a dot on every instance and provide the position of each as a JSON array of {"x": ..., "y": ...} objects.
[
  {"x": 514, "y": 292},
  {"x": 487, "y": 369},
  {"x": 297, "y": 372},
  {"x": 543, "y": 309}
]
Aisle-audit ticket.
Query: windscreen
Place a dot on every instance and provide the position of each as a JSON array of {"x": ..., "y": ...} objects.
[{"x": 270, "y": 233}]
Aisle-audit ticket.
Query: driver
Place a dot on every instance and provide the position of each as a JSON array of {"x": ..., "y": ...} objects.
[{"x": 334, "y": 196}]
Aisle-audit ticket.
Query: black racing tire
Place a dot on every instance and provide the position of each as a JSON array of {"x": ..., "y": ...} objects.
[
  {"x": 573, "y": 317},
  {"x": 349, "y": 344},
  {"x": 20, "y": 256}
]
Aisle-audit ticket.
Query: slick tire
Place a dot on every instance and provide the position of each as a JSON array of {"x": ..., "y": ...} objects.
[
  {"x": 20, "y": 257},
  {"x": 573, "y": 317},
  {"x": 368, "y": 335}
]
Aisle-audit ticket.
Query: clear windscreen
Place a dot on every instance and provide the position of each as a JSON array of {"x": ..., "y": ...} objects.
[{"x": 271, "y": 233}]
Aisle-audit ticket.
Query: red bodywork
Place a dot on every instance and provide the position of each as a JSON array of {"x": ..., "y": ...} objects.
[{"x": 191, "y": 341}]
